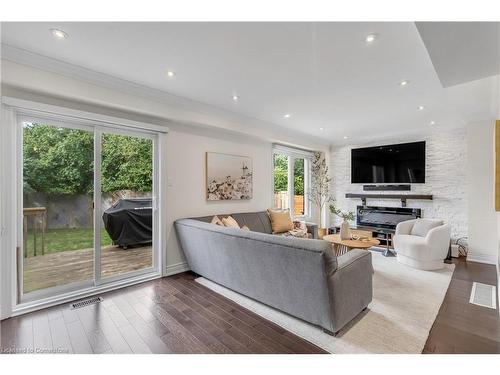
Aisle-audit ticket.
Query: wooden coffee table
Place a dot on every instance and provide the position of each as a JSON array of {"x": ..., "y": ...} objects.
[{"x": 343, "y": 246}]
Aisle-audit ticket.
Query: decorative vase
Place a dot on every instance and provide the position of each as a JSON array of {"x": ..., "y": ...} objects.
[
  {"x": 321, "y": 232},
  {"x": 345, "y": 231}
]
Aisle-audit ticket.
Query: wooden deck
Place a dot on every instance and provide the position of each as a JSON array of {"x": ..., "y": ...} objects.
[{"x": 66, "y": 267}]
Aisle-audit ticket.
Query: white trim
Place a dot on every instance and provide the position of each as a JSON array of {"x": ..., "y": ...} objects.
[
  {"x": 71, "y": 296},
  {"x": 29, "y": 107},
  {"x": 176, "y": 268},
  {"x": 482, "y": 258},
  {"x": 296, "y": 152}
]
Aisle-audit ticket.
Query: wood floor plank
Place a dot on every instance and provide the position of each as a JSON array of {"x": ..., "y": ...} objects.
[
  {"x": 60, "y": 336},
  {"x": 42, "y": 338},
  {"x": 78, "y": 337},
  {"x": 24, "y": 334},
  {"x": 135, "y": 341}
]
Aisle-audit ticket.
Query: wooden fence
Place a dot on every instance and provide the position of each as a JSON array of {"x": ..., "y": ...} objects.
[{"x": 281, "y": 201}]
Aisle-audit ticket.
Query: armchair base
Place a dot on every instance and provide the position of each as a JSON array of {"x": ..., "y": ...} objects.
[{"x": 426, "y": 265}]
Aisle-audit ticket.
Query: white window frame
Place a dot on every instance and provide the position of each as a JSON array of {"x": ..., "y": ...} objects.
[
  {"x": 293, "y": 154},
  {"x": 16, "y": 109}
]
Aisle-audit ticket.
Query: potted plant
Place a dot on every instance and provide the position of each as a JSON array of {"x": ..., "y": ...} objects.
[
  {"x": 319, "y": 193},
  {"x": 345, "y": 231}
]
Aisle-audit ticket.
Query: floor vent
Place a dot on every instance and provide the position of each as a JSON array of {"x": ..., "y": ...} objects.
[
  {"x": 483, "y": 295},
  {"x": 86, "y": 302}
]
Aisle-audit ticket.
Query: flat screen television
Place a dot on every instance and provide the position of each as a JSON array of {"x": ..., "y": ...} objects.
[{"x": 402, "y": 163}]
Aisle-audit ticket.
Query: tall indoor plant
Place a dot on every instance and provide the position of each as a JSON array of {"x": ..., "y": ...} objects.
[{"x": 319, "y": 193}]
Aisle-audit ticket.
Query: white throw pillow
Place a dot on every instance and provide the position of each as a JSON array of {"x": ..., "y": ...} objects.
[{"x": 423, "y": 226}]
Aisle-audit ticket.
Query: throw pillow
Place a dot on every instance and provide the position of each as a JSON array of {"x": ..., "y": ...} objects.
[
  {"x": 216, "y": 221},
  {"x": 422, "y": 226},
  {"x": 244, "y": 227},
  {"x": 280, "y": 220},
  {"x": 230, "y": 222}
]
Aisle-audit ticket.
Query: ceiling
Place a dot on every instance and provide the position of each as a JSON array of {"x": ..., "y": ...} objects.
[{"x": 325, "y": 75}]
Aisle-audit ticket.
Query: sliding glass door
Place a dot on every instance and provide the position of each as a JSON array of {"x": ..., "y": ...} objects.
[
  {"x": 127, "y": 189},
  {"x": 88, "y": 211}
]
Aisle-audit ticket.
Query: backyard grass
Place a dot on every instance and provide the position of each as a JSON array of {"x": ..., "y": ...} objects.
[{"x": 57, "y": 240}]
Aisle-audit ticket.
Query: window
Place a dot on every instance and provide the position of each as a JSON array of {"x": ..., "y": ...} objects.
[{"x": 291, "y": 180}]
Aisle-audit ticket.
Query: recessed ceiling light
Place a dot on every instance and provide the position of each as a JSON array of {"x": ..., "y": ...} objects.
[
  {"x": 321, "y": 129},
  {"x": 371, "y": 38},
  {"x": 345, "y": 137},
  {"x": 58, "y": 34},
  {"x": 287, "y": 115},
  {"x": 236, "y": 97},
  {"x": 432, "y": 123},
  {"x": 404, "y": 82},
  {"x": 170, "y": 73},
  {"x": 420, "y": 107}
]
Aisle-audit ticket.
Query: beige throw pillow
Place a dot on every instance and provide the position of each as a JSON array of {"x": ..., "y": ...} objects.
[
  {"x": 244, "y": 227},
  {"x": 280, "y": 220},
  {"x": 230, "y": 222},
  {"x": 216, "y": 221}
]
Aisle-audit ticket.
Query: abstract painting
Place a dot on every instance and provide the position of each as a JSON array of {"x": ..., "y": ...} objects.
[{"x": 229, "y": 177}]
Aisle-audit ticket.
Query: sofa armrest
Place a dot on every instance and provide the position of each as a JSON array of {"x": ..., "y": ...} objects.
[
  {"x": 405, "y": 227},
  {"x": 350, "y": 286},
  {"x": 313, "y": 229}
]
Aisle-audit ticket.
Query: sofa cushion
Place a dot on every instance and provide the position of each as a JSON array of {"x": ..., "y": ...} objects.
[
  {"x": 230, "y": 222},
  {"x": 422, "y": 226},
  {"x": 281, "y": 221}
]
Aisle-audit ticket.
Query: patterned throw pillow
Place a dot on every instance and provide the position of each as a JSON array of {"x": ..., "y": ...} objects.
[
  {"x": 230, "y": 222},
  {"x": 216, "y": 221}
]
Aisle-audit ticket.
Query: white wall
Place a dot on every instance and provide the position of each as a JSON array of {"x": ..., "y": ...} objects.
[
  {"x": 445, "y": 178},
  {"x": 186, "y": 180},
  {"x": 483, "y": 241}
]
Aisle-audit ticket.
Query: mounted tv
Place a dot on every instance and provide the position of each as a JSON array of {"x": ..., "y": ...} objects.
[{"x": 402, "y": 163}]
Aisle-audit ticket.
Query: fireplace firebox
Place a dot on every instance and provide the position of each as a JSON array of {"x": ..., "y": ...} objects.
[{"x": 384, "y": 217}]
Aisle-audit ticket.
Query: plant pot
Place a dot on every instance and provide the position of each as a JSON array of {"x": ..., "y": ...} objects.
[
  {"x": 321, "y": 232},
  {"x": 345, "y": 231}
]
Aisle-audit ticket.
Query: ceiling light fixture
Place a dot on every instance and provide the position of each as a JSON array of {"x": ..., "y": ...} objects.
[
  {"x": 170, "y": 73},
  {"x": 58, "y": 34},
  {"x": 287, "y": 115},
  {"x": 432, "y": 123},
  {"x": 236, "y": 97},
  {"x": 404, "y": 83},
  {"x": 421, "y": 108},
  {"x": 321, "y": 129},
  {"x": 371, "y": 38},
  {"x": 345, "y": 137}
]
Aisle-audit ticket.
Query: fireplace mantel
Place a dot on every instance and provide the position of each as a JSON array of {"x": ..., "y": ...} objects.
[{"x": 402, "y": 197}]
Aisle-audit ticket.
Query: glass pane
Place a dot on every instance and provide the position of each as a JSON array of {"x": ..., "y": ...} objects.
[
  {"x": 58, "y": 177},
  {"x": 126, "y": 204},
  {"x": 281, "y": 198},
  {"x": 298, "y": 188}
]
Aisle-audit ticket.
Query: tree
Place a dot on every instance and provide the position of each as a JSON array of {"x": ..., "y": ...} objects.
[
  {"x": 320, "y": 184},
  {"x": 61, "y": 161},
  {"x": 281, "y": 174}
]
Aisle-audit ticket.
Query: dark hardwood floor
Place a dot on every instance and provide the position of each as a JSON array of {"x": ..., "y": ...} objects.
[
  {"x": 170, "y": 315},
  {"x": 461, "y": 327},
  {"x": 177, "y": 315}
]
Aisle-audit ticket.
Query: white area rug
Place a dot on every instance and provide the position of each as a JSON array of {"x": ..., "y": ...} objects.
[{"x": 405, "y": 304}]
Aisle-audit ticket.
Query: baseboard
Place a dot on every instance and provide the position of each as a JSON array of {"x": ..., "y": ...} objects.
[
  {"x": 176, "y": 268},
  {"x": 482, "y": 258}
]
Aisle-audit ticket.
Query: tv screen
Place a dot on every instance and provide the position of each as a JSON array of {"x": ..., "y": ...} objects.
[{"x": 392, "y": 164}]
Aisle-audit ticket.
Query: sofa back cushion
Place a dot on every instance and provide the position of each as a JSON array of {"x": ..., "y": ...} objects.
[
  {"x": 422, "y": 226},
  {"x": 255, "y": 221}
]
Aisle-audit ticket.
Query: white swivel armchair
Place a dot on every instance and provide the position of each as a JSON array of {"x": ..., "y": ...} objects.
[{"x": 422, "y": 243}]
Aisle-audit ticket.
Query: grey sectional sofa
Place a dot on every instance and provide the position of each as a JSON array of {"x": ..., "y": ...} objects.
[{"x": 301, "y": 277}]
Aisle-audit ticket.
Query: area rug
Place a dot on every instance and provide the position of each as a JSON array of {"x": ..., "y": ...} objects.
[{"x": 405, "y": 304}]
